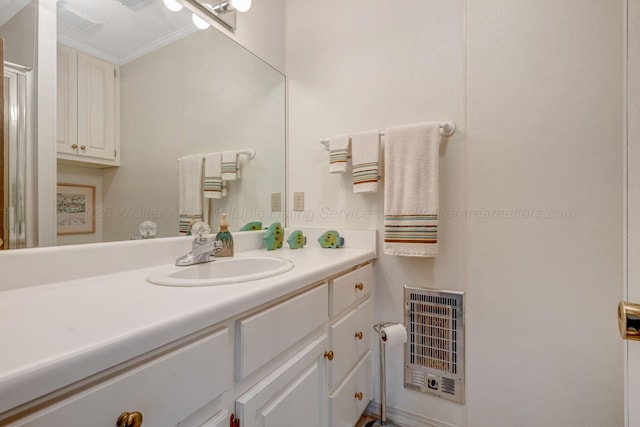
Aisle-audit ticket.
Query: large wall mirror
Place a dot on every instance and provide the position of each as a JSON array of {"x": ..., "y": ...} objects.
[{"x": 179, "y": 91}]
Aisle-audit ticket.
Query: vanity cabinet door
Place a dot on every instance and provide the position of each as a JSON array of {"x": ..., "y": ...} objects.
[
  {"x": 293, "y": 395},
  {"x": 165, "y": 390},
  {"x": 350, "y": 400}
]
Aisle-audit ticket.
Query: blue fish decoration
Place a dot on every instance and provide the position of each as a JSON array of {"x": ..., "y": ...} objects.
[
  {"x": 331, "y": 239},
  {"x": 297, "y": 240},
  {"x": 252, "y": 226},
  {"x": 274, "y": 236}
]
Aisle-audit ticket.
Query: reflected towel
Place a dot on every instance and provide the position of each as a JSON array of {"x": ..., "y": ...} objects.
[
  {"x": 213, "y": 176},
  {"x": 229, "y": 165},
  {"x": 190, "y": 191}
]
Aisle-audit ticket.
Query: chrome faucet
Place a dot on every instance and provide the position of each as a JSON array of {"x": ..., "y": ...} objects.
[{"x": 202, "y": 249}]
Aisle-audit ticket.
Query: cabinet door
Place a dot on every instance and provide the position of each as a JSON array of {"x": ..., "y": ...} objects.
[
  {"x": 293, "y": 394},
  {"x": 96, "y": 108},
  {"x": 349, "y": 401},
  {"x": 165, "y": 390},
  {"x": 67, "y": 112}
]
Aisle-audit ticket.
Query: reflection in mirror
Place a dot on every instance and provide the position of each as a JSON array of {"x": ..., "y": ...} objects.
[
  {"x": 18, "y": 29},
  {"x": 176, "y": 92}
]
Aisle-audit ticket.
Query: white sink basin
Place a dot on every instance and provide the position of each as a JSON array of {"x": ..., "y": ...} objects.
[{"x": 223, "y": 271}]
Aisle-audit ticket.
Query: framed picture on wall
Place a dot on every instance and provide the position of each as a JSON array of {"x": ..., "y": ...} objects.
[{"x": 76, "y": 209}]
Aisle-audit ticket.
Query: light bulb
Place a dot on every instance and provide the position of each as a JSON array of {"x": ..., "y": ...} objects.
[
  {"x": 172, "y": 5},
  {"x": 241, "y": 5},
  {"x": 199, "y": 22}
]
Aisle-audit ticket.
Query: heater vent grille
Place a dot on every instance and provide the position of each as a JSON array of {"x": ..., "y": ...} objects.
[{"x": 434, "y": 353}]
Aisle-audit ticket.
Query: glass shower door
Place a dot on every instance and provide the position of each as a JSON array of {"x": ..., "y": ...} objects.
[{"x": 14, "y": 164}]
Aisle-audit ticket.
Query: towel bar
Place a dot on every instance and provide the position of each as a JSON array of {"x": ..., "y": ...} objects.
[
  {"x": 249, "y": 152},
  {"x": 446, "y": 129}
]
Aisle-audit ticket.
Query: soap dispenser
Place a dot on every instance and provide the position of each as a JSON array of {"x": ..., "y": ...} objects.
[{"x": 223, "y": 235}]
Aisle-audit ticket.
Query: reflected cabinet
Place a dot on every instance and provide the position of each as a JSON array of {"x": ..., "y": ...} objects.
[{"x": 87, "y": 122}]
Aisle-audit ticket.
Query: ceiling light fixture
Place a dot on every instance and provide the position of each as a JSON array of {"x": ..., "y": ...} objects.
[{"x": 223, "y": 12}]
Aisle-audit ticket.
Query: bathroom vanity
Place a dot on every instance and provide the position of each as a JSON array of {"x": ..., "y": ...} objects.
[{"x": 288, "y": 350}]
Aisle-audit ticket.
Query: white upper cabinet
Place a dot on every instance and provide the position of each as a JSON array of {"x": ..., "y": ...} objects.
[{"x": 87, "y": 109}]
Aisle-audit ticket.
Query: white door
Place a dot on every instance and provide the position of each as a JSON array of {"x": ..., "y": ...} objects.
[{"x": 632, "y": 294}]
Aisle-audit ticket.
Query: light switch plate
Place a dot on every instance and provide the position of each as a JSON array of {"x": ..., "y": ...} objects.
[
  {"x": 276, "y": 202},
  {"x": 298, "y": 201}
]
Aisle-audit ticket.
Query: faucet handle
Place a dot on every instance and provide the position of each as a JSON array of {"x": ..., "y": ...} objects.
[{"x": 200, "y": 229}]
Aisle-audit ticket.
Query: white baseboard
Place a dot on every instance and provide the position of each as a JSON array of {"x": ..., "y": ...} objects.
[{"x": 405, "y": 418}]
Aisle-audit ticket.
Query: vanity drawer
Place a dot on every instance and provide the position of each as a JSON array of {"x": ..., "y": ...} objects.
[
  {"x": 263, "y": 336},
  {"x": 350, "y": 338},
  {"x": 345, "y": 407},
  {"x": 165, "y": 390},
  {"x": 349, "y": 288}
]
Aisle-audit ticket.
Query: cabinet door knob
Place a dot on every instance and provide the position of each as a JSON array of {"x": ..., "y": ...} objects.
[
  {"x": 328, "y": 355},
  {"x": 359, "y": 335},
  {"x": 360, "y": 286},
  {"x": 126, "y": 419},
  {"x": 83, "y": 147},
  {"x": 359, "y": 395},
  {"x": 74, "y": 146}
]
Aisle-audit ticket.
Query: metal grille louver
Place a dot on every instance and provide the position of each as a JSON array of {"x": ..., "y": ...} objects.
[{"x": 434, "y": 353}]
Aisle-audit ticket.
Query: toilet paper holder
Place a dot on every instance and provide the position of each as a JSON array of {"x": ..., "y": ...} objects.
[
  {"x": 379, "y": 328},
  {"x": 382, "y": 422}
]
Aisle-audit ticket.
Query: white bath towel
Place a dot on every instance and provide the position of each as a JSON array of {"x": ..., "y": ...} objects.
[
  {"x": 229, "y": 165},
  {"x": 411, "y": 190},
  {"x": 338, "y": 153},
  {"x": 212, "y": 176},
  {"x": 365, "y": 157},
  {"x": 190, "y": 190}
]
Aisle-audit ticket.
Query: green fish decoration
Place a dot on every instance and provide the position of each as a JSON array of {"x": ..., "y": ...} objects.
[
  {"x": 331, "y": 239},
  {"x": 252, "y": 226},
  {"x": 297, "y": 240},
  {"x": 274, "y": 236}
]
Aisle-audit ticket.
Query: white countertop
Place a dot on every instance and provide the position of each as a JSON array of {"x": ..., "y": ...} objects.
[{"x": 55, "y": 334}]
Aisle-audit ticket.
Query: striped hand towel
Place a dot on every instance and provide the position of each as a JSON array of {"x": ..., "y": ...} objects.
[
  {"x": 212, "y": 176},
  {"x": 229, "y": 165},
  {"x": 190, "y": 191},
  {"x": 338, "y": 153},
  {"x": 411, "y": 190},
  {"x": 365, "y": 156}
]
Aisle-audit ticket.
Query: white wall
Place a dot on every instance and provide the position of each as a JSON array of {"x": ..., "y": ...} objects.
[
  {"x": 261, "y": 30},
  {"x": 365, "y": 68},
  {"x": 19, "y": 34},
  {"x": 536, "y": 89},
  {"x": 200, "y": 94}
]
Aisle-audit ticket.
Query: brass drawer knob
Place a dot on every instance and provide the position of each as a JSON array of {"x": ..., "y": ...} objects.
[
  {"x": 83, "y": 147},
  {"x": 359, "y": 395},
  {"x": 359, "y": 335},
  {"x": 328, "y": 355},
  {"x": 74, "y": 146},
  {"x": 126, "y": 419},
  {"x": 360, "y": 286}
]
